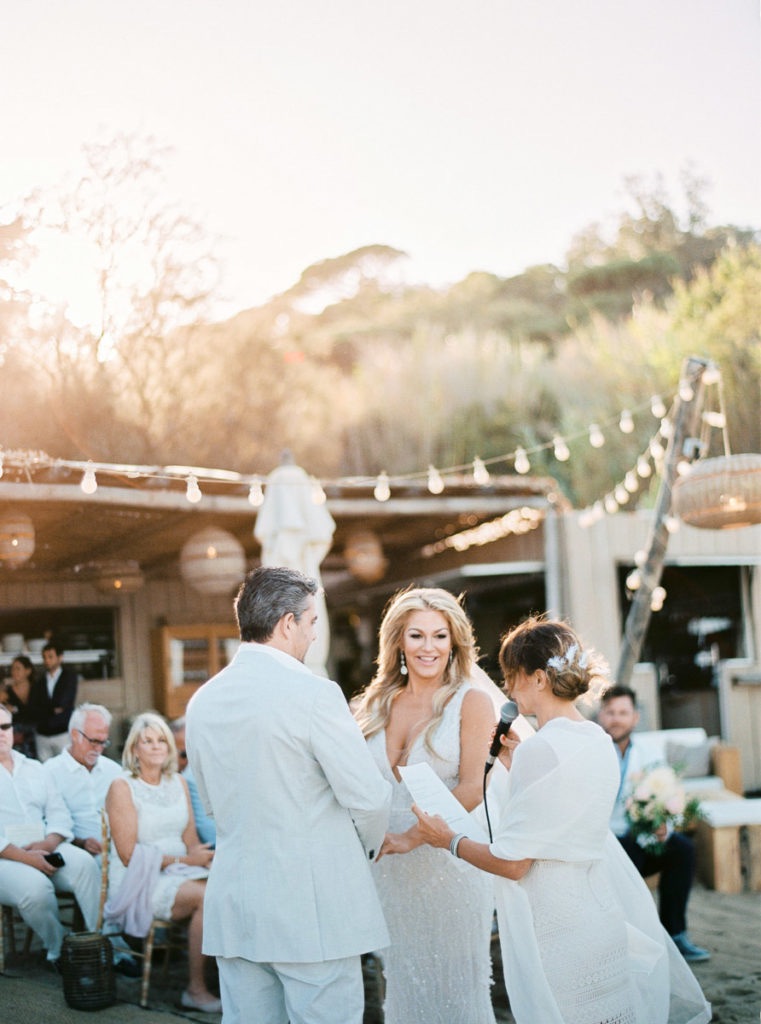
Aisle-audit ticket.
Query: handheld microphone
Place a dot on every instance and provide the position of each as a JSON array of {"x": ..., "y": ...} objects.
[{"x": 507, "y": 715}]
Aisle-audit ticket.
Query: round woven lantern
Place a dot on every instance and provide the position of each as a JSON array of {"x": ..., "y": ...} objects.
[
  {"x": 364, "y": 556},
  {"x": 720, "y": 494},
  {"x": 16, "y": 538},
  {"x": 212, "y": 561}
]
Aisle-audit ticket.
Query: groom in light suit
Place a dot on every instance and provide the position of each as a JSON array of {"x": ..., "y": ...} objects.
[{"x": 300, "y": 810}]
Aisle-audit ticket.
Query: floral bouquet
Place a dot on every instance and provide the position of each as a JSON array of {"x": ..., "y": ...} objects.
[{"x": 657, "y": 798}]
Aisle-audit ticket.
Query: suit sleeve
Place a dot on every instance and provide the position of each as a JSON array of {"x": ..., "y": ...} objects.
[{"x": 341, "y": 750}]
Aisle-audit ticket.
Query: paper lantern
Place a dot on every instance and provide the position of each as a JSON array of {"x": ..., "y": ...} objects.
[
  {"x": 119, "y": 577},
  {"x": 212, "y": 561},
  {"x": 16, "y": 538},
  {"x": 721, "y": 493},
  {"x": 364, "y": 556}
]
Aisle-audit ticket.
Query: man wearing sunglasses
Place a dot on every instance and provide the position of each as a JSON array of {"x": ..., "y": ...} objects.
[{"x": 35, "y": 823}]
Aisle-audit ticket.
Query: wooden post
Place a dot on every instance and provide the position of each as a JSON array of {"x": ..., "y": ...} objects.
[{"x": 686, "y": 425}]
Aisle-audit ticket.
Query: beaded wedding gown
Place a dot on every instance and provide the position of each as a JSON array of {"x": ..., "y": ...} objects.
[
  {"x": 162, "y": 816},
  {"x": 439, "y": 910}
]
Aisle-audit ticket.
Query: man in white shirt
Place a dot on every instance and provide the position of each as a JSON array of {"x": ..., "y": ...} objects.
[
  {"x": 300, "y": 808},
  {"x": 82, "y": 776},
  {"x": 34, "y": 823}
]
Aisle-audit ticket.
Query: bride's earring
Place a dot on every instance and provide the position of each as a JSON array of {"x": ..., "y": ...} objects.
[
  {"x": 403, "y": 666},
  {"x": 451, "y": 658}
]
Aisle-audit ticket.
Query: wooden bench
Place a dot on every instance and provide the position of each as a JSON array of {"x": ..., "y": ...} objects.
[{"x": 729, "y": 845}]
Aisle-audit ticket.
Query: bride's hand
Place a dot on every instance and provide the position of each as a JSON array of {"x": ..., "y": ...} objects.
[
  {"x": 432, "y": 829},
  {"x": 507, "y": 748}
]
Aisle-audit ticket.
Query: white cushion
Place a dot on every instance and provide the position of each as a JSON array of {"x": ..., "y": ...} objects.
[{"x": 725, "y": 813}]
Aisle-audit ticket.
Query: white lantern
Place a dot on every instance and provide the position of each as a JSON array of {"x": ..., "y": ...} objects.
[
  {"x": 16, "y": 538},
  {"x": 212, "y": 561}
]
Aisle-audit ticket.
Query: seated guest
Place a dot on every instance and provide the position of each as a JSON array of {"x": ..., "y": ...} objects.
[
  {"x": 151, "y": 821},
  {"x": 82, "y": 777},
  {"x": 18, "y": 696},
  {"x": 53, "y": 699},
  {"x": 618, "y": 715},
  {"x": 34, "y": 823},
  {"x": 207, "y": 830}
]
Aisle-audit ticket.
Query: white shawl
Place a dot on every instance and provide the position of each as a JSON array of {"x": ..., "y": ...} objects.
[{"x": 555, "y": 805}]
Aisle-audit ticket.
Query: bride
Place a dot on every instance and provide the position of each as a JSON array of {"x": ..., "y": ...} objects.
[{"x": 421, "y": 707}]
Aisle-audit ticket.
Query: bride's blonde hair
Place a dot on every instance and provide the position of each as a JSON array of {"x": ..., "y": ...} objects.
[{"x": 372, "y": 707}]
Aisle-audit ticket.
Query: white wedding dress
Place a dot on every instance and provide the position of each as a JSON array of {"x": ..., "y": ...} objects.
[
  {"x": 439, "y": 910},
  {"x": 162, "y": 816}
]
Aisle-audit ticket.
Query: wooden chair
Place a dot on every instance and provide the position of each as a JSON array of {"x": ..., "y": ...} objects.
[
  {"x": 163, "y": 935},
  {"x": 10, "y": 919}
]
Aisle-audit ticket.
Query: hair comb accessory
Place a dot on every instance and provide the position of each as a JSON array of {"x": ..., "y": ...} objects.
[{"x": 572, "y": 656}]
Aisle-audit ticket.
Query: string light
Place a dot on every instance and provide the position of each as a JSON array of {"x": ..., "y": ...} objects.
[
  {"x": 561, "y": 449},
  {"x": 657, "y": 598},
  {"x": 193, "y": 491},
  {"x": 714, "y": 418},
  {"x": 480, "y": 472},
  {"x": 256, "y": 494},
  {"x": 711, "y": 374},
  {"x": 656, "y": 449},
  {"x": 382, "y": 490},
  {"x": 672, "y": 524},
  {"x": 610, "y": 503},
  {"x": 657, "y": 407},
  {"x": 686, "y": 392},
  {"x": 643, "y": 467},
  {"x": 621, "y": 494},
  {"x": 626, "y": 423},
  {"x": 89, "y": 484},
  {"x": 435, "y": 483},
  {"x": 522, "y": 465},
  {"x": 596, "y": 436},
  {"x": 631, "y": 483}
]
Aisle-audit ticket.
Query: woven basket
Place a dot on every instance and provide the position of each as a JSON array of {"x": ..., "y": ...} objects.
[
  {"x": 720, "y": 494},
  {"x": 87, "y": 967}
]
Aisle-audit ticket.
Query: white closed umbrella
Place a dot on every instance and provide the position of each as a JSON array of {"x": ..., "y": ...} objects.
[{"x": 295, "y": 531}]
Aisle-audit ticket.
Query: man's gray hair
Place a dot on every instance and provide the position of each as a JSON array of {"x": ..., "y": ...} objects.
[
  {"x": 266, "y": 595},
  {"x": 80, "y": 713}
]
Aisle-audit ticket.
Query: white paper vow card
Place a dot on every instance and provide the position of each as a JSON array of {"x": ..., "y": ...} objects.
[{"x": 433, "y": 797}]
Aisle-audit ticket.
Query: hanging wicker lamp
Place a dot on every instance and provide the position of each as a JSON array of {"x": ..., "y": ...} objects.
[{"x": 720, "y": 494}]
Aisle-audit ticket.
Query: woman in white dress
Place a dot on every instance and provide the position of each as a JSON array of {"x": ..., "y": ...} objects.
[
  {"x": 151, "y": 805},
  {"x": 420, "y": 707},
  {"x": 581, "y": 940}
]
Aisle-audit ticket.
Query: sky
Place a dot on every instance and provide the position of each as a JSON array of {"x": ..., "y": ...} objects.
[{"x": 477, "y": 135}]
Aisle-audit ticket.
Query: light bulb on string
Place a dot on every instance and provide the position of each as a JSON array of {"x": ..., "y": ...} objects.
[
  {"x": 193, "y": 491},
  {"x": 714, "y": 418},
  {"x": 522, "y": 465},
  {"x": 435, "y": 483},
  {"x": 561, "y": 450},
  {"x": 621, "y": 494},
  {"x": 631, "y": 483},
  {"x": 657, "y": 407},
  {"x": 634, "y": 580},
  {"x": 656, "y": 449},
  {"x": 657, "y": 598},
  {"x": 596, "y": 436},
  {"x": 480, "y": 472},
  {"x": 686, "y": 392},
  {"x": 643, "y": 467},
  {"x": 682, "y": 467},
  {"x": 611, "y": 505},
  {"x": 256, "y": 494},
  {"x": 640, "y": 557},
  {"x": 382, "y": 491},
  {"x": 711, "y": 374},
  {"x": 672, "y": 524},
  {"x": 89, "y": 483},
  {"x": 626, "y": 423},
  {"x": 666, "y": 429}
]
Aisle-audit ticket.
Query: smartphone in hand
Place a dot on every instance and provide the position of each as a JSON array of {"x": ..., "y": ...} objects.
[{"x": 55, "y": 859}]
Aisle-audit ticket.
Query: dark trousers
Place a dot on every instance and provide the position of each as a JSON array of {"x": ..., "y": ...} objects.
[{"x": 677, "y": 868}]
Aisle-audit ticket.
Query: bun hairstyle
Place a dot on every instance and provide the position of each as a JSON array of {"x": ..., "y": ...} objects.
[{"x": 553, "y": 647}]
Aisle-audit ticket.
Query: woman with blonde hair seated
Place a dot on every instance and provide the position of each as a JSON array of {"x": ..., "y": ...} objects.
[{"x": 155, "y": 843}]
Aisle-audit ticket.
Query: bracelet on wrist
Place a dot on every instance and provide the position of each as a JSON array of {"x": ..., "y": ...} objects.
[{"x": 454, "y": 842}]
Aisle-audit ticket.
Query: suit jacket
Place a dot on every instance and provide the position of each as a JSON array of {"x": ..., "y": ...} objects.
[
  {"x": 64, "y": 696},
  {"x": 300, "y": 810}
]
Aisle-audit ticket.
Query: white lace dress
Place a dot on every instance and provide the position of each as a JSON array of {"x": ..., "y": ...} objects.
[
  {"x": 162, "y": 816},
  {"x": 439, "y": 912}
]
